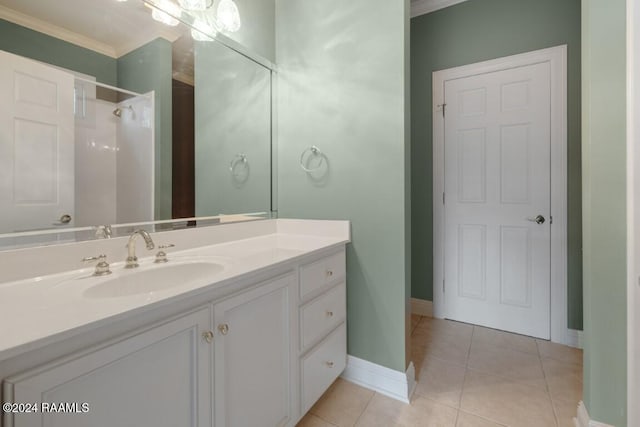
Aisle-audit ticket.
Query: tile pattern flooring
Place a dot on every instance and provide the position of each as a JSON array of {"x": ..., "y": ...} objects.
[{"x": 468, "y": 376}]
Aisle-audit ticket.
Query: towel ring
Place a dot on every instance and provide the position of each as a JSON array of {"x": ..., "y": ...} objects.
[
  {"x": 238, "y": 159},
  {"x": 315, "y": 152}
]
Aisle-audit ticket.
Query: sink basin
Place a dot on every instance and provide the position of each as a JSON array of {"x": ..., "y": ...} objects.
[{"x": 153, "y": 279}]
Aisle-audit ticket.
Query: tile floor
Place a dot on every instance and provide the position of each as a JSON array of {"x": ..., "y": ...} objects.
[{"x": 468, "y": 376}]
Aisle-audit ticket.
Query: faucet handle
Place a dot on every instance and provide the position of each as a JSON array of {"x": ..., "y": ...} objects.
[
  {"x": 161, "y": 256},
  {"x": 102, "y": 267}
]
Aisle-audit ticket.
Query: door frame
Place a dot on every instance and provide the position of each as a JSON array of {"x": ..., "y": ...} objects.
[{"x": 557, "y": 58}]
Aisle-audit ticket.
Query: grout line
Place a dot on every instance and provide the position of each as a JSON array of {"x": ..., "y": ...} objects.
[{"x": 365, "y": 408}]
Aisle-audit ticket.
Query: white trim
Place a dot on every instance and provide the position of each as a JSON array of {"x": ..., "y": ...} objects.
[
  {"x": 55, "y": 31},
  {"x": 633, "y": 215},
  {"x": 394, "y": 384},
  {"x": 557, "y": 58},
  {"x": 575, "y": 338},
  {"x": 422, "y": 7},
  {"x": 582, "y": 418},
  {"x": 421, "y": 307}
]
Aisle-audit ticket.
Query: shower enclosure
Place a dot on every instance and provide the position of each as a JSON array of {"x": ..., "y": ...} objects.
[{"x": 114, "y": 155}]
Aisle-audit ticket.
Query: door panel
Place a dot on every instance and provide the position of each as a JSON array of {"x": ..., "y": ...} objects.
[
  {"x": 36, "y": 144},
  {"x": 497, "y": 178}
]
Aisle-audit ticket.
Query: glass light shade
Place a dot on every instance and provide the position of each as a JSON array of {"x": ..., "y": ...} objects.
[
  {"x": 164, "y": 11},
  {"x": 228, "y": 16},
  {"x": 202, "y": 31},
  {"x": 195, "y": 5}
]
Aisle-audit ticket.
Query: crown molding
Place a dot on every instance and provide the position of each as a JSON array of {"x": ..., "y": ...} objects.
[
  {"x": 136, "y": 43},
  {"x": 422, "y": 7},
  {"x": 55, "y": 31}
]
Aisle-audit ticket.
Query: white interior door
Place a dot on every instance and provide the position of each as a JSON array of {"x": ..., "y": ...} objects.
[
  {"x": 497, "y": 181},
  {"x": 36, "y": 145}
]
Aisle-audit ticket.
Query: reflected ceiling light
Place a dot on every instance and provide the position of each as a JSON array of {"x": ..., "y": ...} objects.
[
  {"x": 228, "y": 16},
  {"x": 202, "y": 31},
  {"x": 164, "y": 11},
  {"x": 195, "y": 5}
]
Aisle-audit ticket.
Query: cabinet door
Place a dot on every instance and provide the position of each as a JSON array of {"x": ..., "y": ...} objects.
[
  {"x": 253, "y": 349},
  {"x": 160, "y": 377}
]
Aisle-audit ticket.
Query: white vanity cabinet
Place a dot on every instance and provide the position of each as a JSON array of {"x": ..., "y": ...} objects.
[
  {"x": 256, "y": 352},
  {"x": 323, "y": 330},
  {"x": 255, "y": 333},
  {"x": 159, "y": 377}
]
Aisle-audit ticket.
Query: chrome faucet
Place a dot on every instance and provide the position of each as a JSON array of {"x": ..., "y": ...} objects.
[{"x": 132, "y": 259}]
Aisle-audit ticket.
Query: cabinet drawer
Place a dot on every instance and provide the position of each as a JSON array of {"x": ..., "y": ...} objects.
[
  {"x": 322, "y": 315},
  {"x": 322, "y": 366},
  {"x": 321, "y": 273}
]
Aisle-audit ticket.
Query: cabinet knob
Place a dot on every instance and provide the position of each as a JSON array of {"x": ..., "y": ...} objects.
[
  {"x": 329, "y": 313},
  {"x": 208, "y": 336},
  {"x": 329, "y": 273},
  {"x": 223, "y": 328},
  {"x": 329, "y": 364}
]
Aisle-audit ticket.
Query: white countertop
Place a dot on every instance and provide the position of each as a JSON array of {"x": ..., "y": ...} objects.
[{"x": 38, "y": 310}]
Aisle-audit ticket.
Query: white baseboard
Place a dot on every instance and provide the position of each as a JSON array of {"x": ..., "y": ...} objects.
[
  {"x": 394, "y": 384},
  {"x": 421, "y": 307},
  {"x": 574, "y": 338},
  {"x": 582, "y": 419}
]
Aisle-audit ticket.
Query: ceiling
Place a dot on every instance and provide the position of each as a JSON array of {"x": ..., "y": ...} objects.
[{"x": 107, "y": 26}]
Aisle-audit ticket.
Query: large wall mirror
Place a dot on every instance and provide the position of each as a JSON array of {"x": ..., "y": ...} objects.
[{"x": 123, "y": 112}]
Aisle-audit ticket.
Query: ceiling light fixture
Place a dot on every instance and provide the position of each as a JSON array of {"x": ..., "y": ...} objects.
[
  {"x": 228, "y": 16},
  {"x": 164, "y": 11},
  {"x": 195, "y": 5}
]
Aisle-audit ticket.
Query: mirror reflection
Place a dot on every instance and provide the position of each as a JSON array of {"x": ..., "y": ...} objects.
[{"x": 118, "y": 112}]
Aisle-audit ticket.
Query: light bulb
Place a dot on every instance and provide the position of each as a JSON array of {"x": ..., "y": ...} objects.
[
  {"x": 195, "y": 5},
  {"x": 202, "y": 31},
  {"x": 164, "y": 11},
  {"x": 228, "y": 16}
]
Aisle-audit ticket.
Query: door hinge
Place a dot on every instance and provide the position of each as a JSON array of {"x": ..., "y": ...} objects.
[
  {"x": 443, "y": 108},
  {"x": 550, "y": 219}
]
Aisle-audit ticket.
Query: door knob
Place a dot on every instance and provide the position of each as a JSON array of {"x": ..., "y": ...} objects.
[
  {"x": 64, "y": 220},
  {"x": 538, "y": 219}
]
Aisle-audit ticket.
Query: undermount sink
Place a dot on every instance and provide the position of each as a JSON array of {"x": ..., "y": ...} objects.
[{"x": 153, "y": 279}]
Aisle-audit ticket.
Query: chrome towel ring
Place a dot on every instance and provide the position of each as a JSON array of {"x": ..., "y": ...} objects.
[
  {"x": 239, "y": 159},
  {"x": 315, "y": 152}
]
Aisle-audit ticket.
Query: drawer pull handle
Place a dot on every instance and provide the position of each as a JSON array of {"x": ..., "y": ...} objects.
[
  {"x": 208, "y": 336},
  {"x": 224, "y": 329},
  {"x": 329, "y": 313},
  {"x": 329, "y": 273},
  {"x": 330, "y": 364}
]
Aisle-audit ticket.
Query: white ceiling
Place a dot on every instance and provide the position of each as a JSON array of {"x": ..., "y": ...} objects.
[{"x": 106, "y": 26}]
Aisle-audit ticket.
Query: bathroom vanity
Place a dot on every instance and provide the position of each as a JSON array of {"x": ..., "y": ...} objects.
[{"x": 244, "y": 326}]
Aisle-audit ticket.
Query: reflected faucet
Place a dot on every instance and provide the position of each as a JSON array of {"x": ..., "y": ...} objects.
[{"x": 132, "y": 259}]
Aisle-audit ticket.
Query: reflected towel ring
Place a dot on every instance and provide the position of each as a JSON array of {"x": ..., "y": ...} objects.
[
  {"x": 315, "y": 152},
  {"x": 238, "y": 159}
]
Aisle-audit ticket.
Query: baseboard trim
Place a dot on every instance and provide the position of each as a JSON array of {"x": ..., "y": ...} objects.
[
  {"x": 582, "y": 418},
  {"x": 575, "y": 338},
  {"x": 394, "y": 384},
  {"x": 421, "y": 307}
]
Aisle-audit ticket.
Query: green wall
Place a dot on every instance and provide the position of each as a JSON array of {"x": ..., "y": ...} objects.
[
  {"x": 232, "y": 116},
  {"x": 41, "y": 47},
  {"x": 143, "y": 70},
  {"x": 470, "y": 32},
  {"x": 341, "y": 86},
  {"x": 604, "y": 207}
]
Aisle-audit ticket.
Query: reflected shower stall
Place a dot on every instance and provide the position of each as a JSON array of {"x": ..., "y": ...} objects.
[{"x": 114, "y": 155}]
